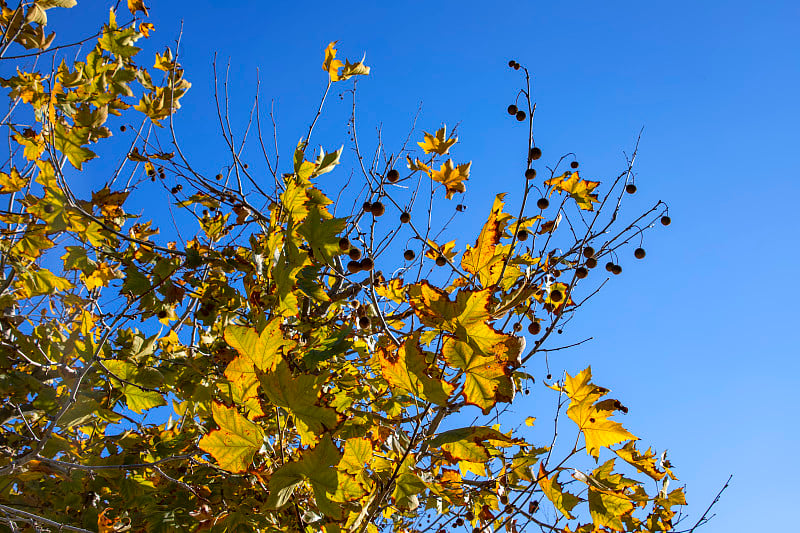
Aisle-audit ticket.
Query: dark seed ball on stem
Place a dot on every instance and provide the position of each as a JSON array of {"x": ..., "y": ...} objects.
[
  {"x": 521, "y": 115},
  {"x": 512, "y": 109},
  {"x": 409, "y": 255},
  {"x": 666, "y": 221},
  {"x": 367, "y": 264},
  {"x": 630, "y": 188},
  {"x": 543, "y": 203},
  {"x": 591, "y": 262},
  {"x": 639, "y": 253},
  {"x": 405, "y": 218},
  {"x": 367, "y": 207},
  {"x": 511, "y": 63},
  {"x": 574, "y": 164},
  {"x": 581, "y": 272},
  {"x": 392, "y": 176},
  {"x": 534, "y": 328},
  {"x": 353, "y": 267},
  {"x": 556, "y": 296},
  {"x": 363, "y": 322},
  {"x": 536, "y": 153},
  {"x": 522, "y": 235},
  {"x": 355, "y": 254},
  {"x": 617, "y": 270},
  {"x": 461, "y": 208},
  {"x": 344, "y": 244},
  {"x": 610, "y": 266},
  {"x": 441, "y": 261},
  {"x": 530, "y": 173},
  {"x": 378, "y": 209},
  {"x": 588, "y": 252}
]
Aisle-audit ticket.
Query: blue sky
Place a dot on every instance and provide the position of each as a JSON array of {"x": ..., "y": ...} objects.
[{"x": 696, "y": 338}]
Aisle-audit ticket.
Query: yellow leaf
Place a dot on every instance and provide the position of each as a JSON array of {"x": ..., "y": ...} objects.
[
  {"x": 235, "y": 443},
  {"x": 331, "y": 65},
  {"x": 405, "y": 370},
  {"x": 591, "y": 416},
  {"x": 486, "y": 381},
  {"x": 100, "y": 277},
  {"x": 452, "y": 177},
  {"x": 479, "y": 259},
  {"x": 447, "y": 250},
  {"x": 529, "y": 421},
  {"x": 354, "y": 69},
  {"x": 580, "y": 190},
  {"x": 438, "y": 143},
  {"x": 12, "y": 182},
  {"x": 137, "y": 5},
  {"x": 563, "y": 501},
  {"x": 145, "y": 28},
  {"x": 263, "y": 350},
  {"x": 394, "y": 290},
  {"x": 357, "y": 455},
  {"x": 243, "y": 385}
]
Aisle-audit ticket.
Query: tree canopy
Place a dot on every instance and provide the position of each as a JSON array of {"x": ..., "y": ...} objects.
[{"x": 293, "y": 355}]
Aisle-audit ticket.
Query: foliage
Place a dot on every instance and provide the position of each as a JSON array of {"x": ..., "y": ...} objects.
[{"x": 263, "y": 374}]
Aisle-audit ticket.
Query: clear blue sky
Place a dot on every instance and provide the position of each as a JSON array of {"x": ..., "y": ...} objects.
[{"x": 696, "y": 339}]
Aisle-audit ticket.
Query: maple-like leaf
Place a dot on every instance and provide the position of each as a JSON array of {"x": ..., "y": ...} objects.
[
  {"x": 315, "y": 466},
  {"x": 331, "y": 65},
  {"x": 565, "y": 502},
  {"x": 263, "y": 350},
  {"x": 645, "y": 462},
  {"x": 579, "y": 189},
  {"x": 300, "y": 396},
  {"x": 452, "y": 176},
  {"x": 486, "y": 380},
  {"x": 405, "y": 369},
  {"x": 438, "y": 143},
  {"x": 236, "y": 441},
  {"x": 479, "y": 259},
  {"x": 592, "y": 416}
]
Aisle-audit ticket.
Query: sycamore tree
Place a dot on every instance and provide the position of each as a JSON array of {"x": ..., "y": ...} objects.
[{"x": 296, "y": 348}]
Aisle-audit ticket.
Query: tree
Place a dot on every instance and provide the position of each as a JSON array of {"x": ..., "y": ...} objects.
[{"x": 301, "y": 386}]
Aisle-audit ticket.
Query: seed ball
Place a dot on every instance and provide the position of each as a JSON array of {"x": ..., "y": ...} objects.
[
  {"x": 574, "y": 164},
  {"x": 367, "y": 264},
  {"x": 588, "y": 252},
  {"x": 353, "y": 267},
  {"x": 344, "y": 244},
  {"x": 512, "y": 109},
  {"x": 522, "y": 235},
  {"x": 366, "y": 206},
  {"x": 549, "y": 376},
  {"x": 378, "y": 209},
  {"x": 392, "y": 176},
  {"x": 503, "y": 499},
  {"x": 534, "y": 328},
  {"x": 409, "y": 255},
  {"x": 153, "y": 179},
  {"x": 246, "y": 166},
  {"x": 218, "y": 177},
  {"x": 405, "y": 218},
  {"x": 527, "y": 391},
  {"x": 441, "y": 261},
  {"x": 122, "y": 128},
  {"x": 581, "y": 272},
  {"x": 560, "y": 331},
  {"x": 162, "y": 314},
  {"x": 530, "y": 173},
  {"x": 666, "y": 221},
  {"x": 363, "y": 322},
  {"x": 48, "y": 208},
  {"x": 511, "y": 63},
  {"x": 174, "y": 190},
  {"x": 521, "y": 115},
  {"x": 355, "y": 254},
  {"x": 536, "y": 153},
  {"x": 630, "y": 188},
  {"x": 461, "y": 208},
  {"x": 469, "y": 515},
  {"x": 543, "y": 203},
  {"x": 609, "y": 266},
  {"x": 556, "y": 296},
  {"x": 639, "y": 253},
  {"x": 617, "y": 270},
  {"x": 517, "y": 327},
  {"x": 517, "y": 66},
  {"x": 591, "y": 262}
]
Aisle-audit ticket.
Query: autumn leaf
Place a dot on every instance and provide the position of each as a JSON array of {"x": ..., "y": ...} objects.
[
  {"x": 264, "y": 349},
  {"x": 563, "y": 501},
  {"x": 331, "y": 65},
  {"x": 580, "y": 190},
  {"x": 591, "y": 416},
  {"x": 405, "y": 369},
  {"x": 236, "y": 441},
  {"x": 137, "y": 5},
  {"x": 452, "y": 176},
  {"x": 486, "y": 380},
  {"x": 478, "y": 259},
  {"x": 439, "y": 143}
]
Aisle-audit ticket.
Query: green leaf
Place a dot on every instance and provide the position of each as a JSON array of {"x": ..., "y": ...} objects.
[
  {"x": 70, "y": 143},
  {"x": 563, "y": 501}
]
